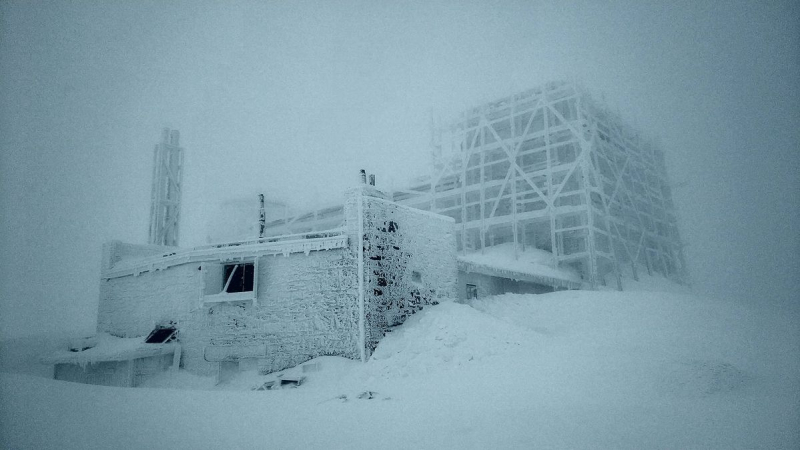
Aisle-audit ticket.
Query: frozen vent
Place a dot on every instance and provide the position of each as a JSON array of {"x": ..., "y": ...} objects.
[{"x": 161, "y": 335}]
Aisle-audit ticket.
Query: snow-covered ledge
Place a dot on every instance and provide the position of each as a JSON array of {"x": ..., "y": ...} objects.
[
  {"x": 223, "y": 297},
  {"x": 114, "y": 267}
]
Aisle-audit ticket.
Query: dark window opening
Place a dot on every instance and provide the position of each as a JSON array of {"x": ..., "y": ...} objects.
[
  {"x": 472, "y": 291},
  {"x": 161, "y": 335},
  {"x": 239, "y": 277}
]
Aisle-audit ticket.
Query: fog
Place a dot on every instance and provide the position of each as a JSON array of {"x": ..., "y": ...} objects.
[{"x": 292, "y": 98}]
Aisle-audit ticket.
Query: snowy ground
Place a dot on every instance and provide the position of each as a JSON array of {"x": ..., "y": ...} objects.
[{"x": 570, "y": 369}]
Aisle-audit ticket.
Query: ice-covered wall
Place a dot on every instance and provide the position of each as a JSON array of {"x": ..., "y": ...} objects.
[
  {"x": 308, "y": 303},
  {"x": 122, "y": 373},
  {"x": 105, "y": 373},
  {"x": 132, "y": 305},
  {"x": 306, "y": 306},
  {"x": 484, "y": 285},
  {"x": 487, "y": 285},
  {"x": 409, "y": 261}
]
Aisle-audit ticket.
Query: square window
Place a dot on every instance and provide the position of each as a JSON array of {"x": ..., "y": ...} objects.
[
  {"x": 230, "y": 281},
  {"x": 238, "y": 277},
  {"x": 472, "y": 291}
]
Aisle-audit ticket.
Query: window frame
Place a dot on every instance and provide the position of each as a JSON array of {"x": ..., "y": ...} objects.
[
  {"x": 213, "y": 271},
  {"x": 243, "y": 277},
  {"x": 471, "y": 291}
]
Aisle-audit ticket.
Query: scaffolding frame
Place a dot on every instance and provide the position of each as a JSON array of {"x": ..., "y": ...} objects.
[
  {"x": 165, "y": 199},
  {"x": 552, "y": 168}
]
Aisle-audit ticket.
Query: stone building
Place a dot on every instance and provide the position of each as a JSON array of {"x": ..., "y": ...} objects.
[{"x": 268, "y": 303}]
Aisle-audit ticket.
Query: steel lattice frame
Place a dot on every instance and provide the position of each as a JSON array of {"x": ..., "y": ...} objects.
[
  {"x": 165, "y": 200},
  {"x": 553, "y": 169}
]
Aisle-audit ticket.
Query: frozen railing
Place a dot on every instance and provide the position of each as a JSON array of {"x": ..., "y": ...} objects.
[
  {"x": 276, "y": 239},
  {"x": 276, "y": 245}
]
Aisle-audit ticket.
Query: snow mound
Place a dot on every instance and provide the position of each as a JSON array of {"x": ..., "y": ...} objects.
[
  {"x": 178, "y": 379},
  {"x": 674, "y": 327},
  {"x": 633, "y": 343},
  {"x": 573, "y": 369},
  {"x": 697, "y": 378},
  {"x": 445, "y": 336},
  {"x": 505, "y": 252}
]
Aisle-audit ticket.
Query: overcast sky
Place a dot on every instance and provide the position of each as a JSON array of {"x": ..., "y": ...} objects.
[{"x": 292, "y": 98}]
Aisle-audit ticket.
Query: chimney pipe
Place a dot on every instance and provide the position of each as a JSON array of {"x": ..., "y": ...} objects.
[
  {"x": 363, "y": 176},
  {"x": 372, "y": 179},
  {"x": 262, "y": 216}
]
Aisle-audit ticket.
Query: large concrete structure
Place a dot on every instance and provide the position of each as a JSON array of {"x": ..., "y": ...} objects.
[
  {"x": 496, "y": 270},
  {"x": 268, "y": 303},
  {"x": 552, "y": 168}
]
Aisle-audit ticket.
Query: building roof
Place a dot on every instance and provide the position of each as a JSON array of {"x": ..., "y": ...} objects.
[
  {"x": 532, "y": 265},
  {"x": 110, "y": 348}
]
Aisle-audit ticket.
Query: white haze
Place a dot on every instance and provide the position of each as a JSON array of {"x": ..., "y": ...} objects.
[{"x": 292, "y": 98}]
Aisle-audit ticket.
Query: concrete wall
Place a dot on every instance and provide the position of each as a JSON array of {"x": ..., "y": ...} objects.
[
  {"x": 146, "y": 368},
  {"x": 307, "y": 306},
  {"x": 131, "y": 306},
  {"x": 106, "y": 373},
  {"x": 409, "y": 263},
  {"x": 130, "y": 373},
  {"x": 488, "y": 285}
]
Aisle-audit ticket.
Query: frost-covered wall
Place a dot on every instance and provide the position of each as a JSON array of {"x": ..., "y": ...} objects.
[
  {"x": 306, "y": 306},
  {"x": 124, "y": 373},
  {"x": 486, "y": 285},
  {"x": 409, "y": 261},
  {"x": 341, "y": 299},
  {"x": 106, "y": 373},
  {"x": 476, "y": 284},
  {"x": 131, "y": 306}
]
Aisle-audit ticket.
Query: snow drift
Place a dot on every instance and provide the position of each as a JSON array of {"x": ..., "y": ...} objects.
[{"x": 571, "y": 369}]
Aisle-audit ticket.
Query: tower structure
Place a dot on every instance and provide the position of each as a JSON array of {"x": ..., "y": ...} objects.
[
  {"x": 165, "y": 197},
  {"x": 553, "y": 169}
]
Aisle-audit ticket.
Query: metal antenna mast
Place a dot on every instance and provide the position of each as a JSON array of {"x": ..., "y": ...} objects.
[{"x": 165, "y": 198}]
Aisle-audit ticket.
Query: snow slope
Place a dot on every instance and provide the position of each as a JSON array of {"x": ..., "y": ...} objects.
[{"x": 571, "y": 369}]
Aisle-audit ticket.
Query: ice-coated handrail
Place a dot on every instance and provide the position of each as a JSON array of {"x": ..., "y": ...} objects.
[{"x": 286, "y": 244}]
